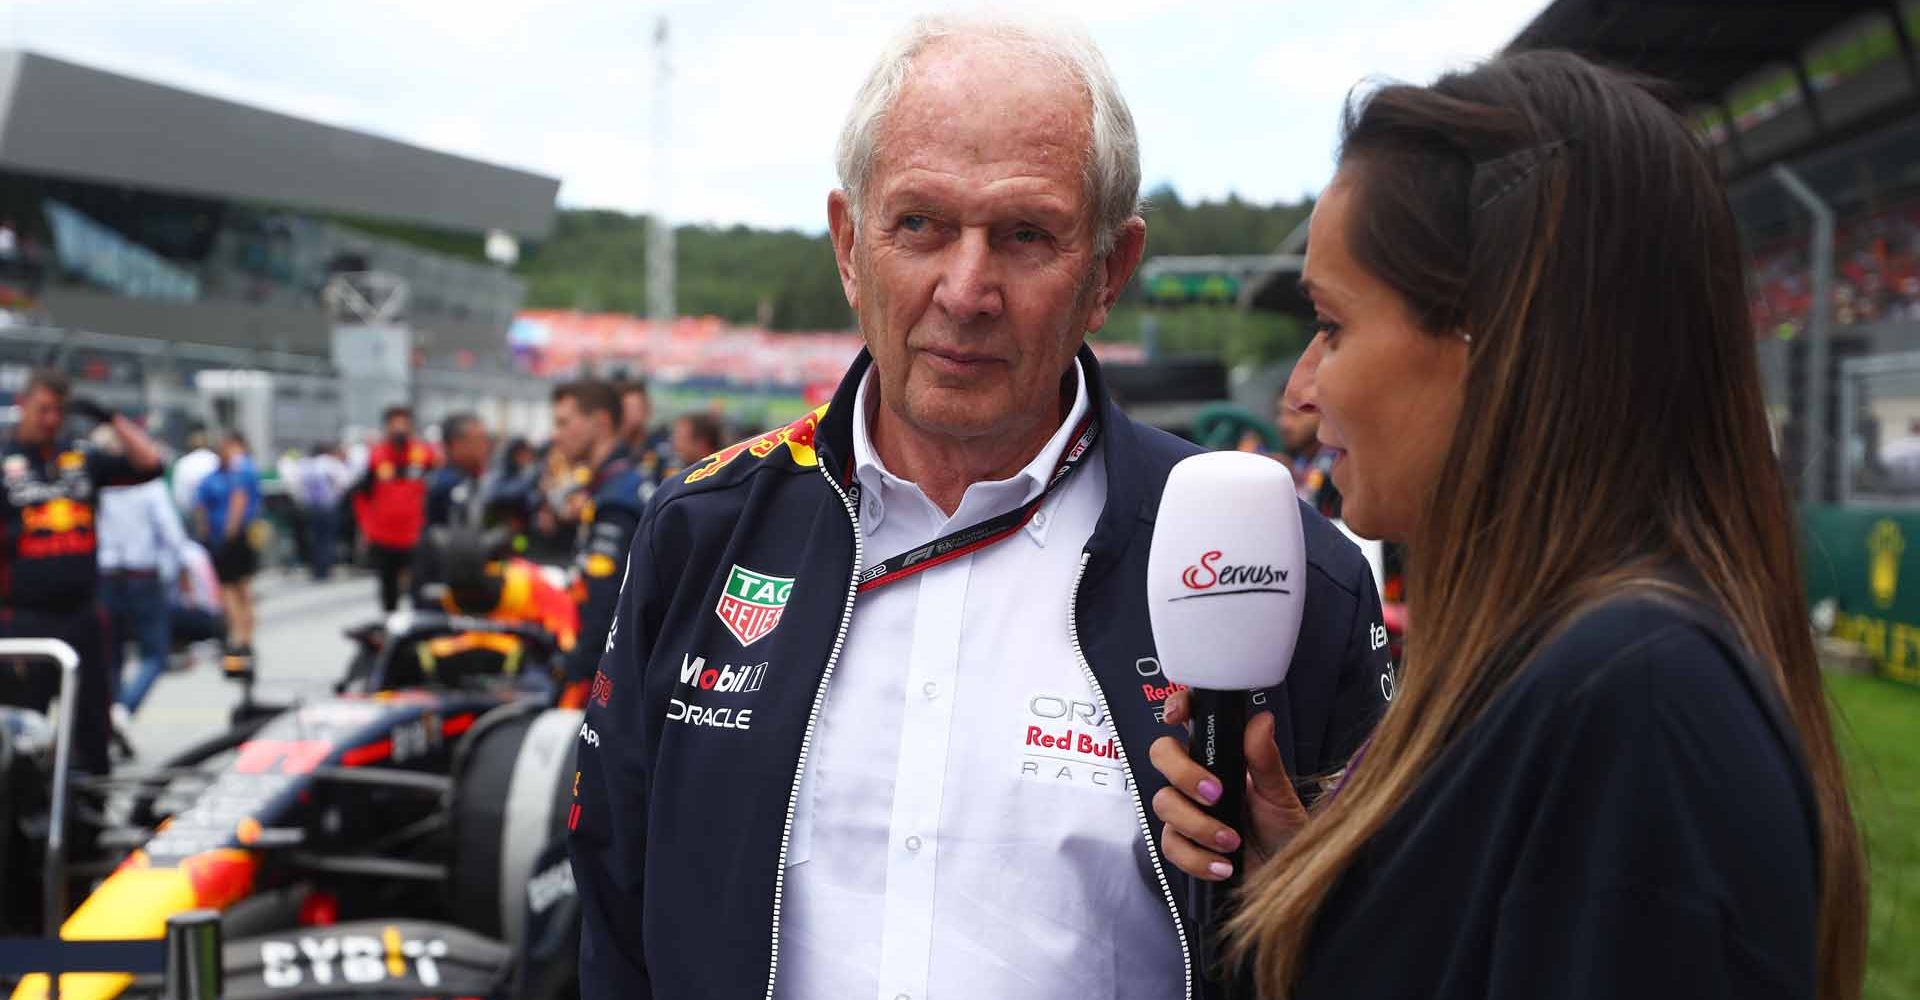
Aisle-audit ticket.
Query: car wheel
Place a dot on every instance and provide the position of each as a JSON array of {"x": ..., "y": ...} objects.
[{"x": 512, "y": 785}]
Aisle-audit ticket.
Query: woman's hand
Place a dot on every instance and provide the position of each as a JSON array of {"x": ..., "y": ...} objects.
[{"x": 1197, "y": 843}]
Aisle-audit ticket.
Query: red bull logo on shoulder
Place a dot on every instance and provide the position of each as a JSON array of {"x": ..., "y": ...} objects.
[{"x": 797, "y": 436}]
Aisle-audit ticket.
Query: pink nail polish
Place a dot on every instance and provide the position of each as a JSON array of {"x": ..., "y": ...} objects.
[
  {"x": 1209, "y": 791},
  {"x": 1227, "y": 840},
  {"x": 1220, "y": 869}
]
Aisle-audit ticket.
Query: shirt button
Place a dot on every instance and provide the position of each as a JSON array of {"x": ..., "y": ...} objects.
[
  {"x": 901, "y": 996},
  {"x": 1040, "y": 519},
  {"x": 913, "y": 845},
  {"x": 931, "y": 690}
]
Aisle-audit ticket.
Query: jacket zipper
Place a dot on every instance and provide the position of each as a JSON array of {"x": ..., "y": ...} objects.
[
  {"x": 1139, "y": 805},
  {"x": 813, "y": 719}
]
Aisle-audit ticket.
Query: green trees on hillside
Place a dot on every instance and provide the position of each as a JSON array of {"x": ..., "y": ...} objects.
[{"x": 595, "y": 260}]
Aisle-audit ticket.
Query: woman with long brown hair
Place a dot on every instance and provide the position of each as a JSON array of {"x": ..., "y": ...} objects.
[{"x": 1607, "y": 769}]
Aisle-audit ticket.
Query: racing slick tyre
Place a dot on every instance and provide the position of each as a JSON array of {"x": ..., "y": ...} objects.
[{"x": 512, "y": 786}]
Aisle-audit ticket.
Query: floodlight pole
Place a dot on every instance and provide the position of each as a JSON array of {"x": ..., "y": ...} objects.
[
  {"x": 660, "y": 249},
  {"x": 1815, "y": 420}
]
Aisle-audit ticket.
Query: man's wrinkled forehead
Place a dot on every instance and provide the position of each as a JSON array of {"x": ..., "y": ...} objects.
[{"x": 1003, "y": 99}]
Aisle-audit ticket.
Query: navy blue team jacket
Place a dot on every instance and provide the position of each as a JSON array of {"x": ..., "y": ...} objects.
[{"x": 738, "y": 591}]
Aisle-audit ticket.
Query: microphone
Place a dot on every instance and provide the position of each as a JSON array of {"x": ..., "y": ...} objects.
[{"x": 1226, "y": 585}]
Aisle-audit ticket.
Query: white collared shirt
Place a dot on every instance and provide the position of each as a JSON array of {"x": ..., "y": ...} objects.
[
  {"x": 964, "y": 828},
  {"x": 138, "y": 529}
]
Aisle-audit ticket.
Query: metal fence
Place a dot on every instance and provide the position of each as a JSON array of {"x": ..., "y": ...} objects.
[
  {"x": 281, "y": 399},
  {"x": 1879, "y": 407}
]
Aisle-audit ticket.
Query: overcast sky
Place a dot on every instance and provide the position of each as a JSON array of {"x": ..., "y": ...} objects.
[{"x": 1230, "y": 96}]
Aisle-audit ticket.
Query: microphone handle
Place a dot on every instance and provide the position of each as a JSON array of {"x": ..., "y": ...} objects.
[{"x": 1217, "y": 742}]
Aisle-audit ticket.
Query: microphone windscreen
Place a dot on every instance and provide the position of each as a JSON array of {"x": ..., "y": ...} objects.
[{"x": 1226, "y": 575}]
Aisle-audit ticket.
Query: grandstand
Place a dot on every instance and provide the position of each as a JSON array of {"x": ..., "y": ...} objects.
[
  {"x": 1829, "y": 93},
  {"x": 155, "y": 241},
  {"x": 136, "y": 209}
]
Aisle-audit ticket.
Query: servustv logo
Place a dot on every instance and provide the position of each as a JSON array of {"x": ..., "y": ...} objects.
[{"x": 752, "y": 603}]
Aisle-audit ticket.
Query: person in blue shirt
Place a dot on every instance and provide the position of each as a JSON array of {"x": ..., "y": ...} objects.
[{"x": 226, "y": 506}]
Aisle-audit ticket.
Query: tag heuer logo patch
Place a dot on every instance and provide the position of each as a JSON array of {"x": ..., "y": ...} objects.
[{"x": 752, "y": 603}]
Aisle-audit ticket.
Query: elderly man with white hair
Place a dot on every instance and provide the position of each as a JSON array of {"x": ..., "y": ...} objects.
[{"x": 874, "y": 712}]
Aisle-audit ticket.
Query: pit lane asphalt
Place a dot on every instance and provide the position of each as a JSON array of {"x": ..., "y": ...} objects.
[{"x": 299, "y": 651}]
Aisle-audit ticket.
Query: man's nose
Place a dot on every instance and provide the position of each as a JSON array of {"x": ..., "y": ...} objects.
[
  {"x": 969, "y": 286},
  {"x": 1302, "y": 395}
]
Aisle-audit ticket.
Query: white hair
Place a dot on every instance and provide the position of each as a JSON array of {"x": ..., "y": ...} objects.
[{"x": 1112, "y": 167}]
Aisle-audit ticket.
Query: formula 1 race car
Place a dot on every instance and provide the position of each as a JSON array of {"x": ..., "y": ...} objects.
[{"x": 403, "y": 837}]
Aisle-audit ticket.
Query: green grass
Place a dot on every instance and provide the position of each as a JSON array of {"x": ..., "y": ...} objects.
[{"x": 1879, "y": 732}]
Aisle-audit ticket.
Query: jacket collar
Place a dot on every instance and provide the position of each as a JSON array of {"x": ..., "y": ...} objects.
[{"x": 1118, "y": 436}]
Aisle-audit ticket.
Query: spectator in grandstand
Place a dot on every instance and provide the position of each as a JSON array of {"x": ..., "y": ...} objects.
[
  {"x": 141, "y": 551},
  {"x": 390, "y": 502},
  {"x": 226, "y": 510},
  {"x": 695, "y": 436},
  {"x": 1877, "y": 273},
  {"x": 321, "y": 480},
  {"x": 190, "y": 468}
]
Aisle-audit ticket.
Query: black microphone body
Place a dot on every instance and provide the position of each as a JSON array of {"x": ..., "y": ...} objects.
[{"x": 1217, "y": 742}]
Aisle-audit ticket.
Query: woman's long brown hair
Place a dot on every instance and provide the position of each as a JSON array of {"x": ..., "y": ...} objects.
[{"x": 1612, "y": 426}]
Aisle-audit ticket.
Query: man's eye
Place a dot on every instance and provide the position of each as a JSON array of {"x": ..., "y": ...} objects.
[
  {"x": 1027, "y": 234},
  {"x": 914, "y": 223},
  {"x": 1325, "y": 326}
]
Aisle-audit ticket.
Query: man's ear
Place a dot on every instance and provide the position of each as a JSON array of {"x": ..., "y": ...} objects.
[
  {"x": 1129, "y": 245},
  {"x": 840, "y": 226}
]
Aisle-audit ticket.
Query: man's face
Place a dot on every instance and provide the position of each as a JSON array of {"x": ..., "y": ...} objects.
[
  {"x": 686, "y": 444},
  {"x": 636, "y": 412},
  {"x": 575, "y": 431},
  {"x": 41, "y": 412},
  {"x": 1297, "y": 429},
  {"x": 972, "y": 266},
  {"x": 399, "y": 427},
  {"x": 470, "y": 449}
]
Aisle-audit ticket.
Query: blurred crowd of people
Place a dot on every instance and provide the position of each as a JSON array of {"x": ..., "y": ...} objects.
[
  {"x": 379, "y": 498},
  {"x": 1876, "y": 273},
  {"x": 164, "y": 561}
]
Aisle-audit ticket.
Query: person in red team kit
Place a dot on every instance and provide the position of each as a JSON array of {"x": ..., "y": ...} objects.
[{"x": 390, "y": 502}]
